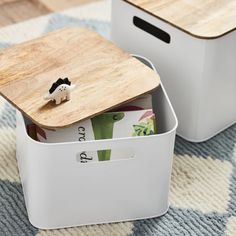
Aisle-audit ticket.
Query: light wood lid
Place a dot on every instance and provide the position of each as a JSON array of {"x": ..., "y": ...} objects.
[
  {"x": 200, "y": 18},
  {"x": 104, "y": 75}
]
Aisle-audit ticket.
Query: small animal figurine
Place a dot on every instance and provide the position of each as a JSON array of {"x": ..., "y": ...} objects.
[{"x": 60, "y": 91}]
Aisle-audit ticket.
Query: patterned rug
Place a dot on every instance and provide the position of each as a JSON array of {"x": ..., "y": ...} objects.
[{"x": 203, "y": 189}]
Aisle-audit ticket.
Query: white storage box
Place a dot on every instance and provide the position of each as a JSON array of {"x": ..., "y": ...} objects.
[
  {"x": 61, "y": 192},
  {"x": 192, "y": 45}
]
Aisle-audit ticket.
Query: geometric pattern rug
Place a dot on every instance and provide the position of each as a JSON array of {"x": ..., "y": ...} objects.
[{"x": 203, "y": 188}]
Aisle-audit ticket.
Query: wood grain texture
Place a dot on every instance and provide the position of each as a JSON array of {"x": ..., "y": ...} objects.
[
  {"x": 15, "y": 11},
  {"x": 7, "y": 1},
  {"x": 104, "y": 76},
  {"x": 59, "y": 5},
  {"x": 200, "y": 18}
]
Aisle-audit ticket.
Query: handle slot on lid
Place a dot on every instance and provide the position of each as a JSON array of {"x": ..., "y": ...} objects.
[{"x": 151, "y": 29}]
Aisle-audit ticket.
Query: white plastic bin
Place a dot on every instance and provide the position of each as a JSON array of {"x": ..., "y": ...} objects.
[
  {"x": 198, "y": 74},
  {"x": 62, "y": 192}
]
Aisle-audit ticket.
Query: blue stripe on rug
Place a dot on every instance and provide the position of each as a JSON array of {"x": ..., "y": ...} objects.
[
  {"x": 180, "y": 222},
  {"x": 219, "y": 147},
  {"x": 13, "y": 215},
  {"x": 59, "y": 20},
  {"x": 8, "y": 116}
]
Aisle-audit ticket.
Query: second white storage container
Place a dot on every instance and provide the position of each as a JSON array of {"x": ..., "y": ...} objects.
[{"x": 196, "y": 59}]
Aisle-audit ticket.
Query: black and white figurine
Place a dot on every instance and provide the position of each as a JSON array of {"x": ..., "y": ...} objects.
[{"x": 60, "y": 91}]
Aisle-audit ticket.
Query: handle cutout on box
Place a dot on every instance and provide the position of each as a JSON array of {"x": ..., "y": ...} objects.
[
  {"x": 151, "y": 29},
  {"x": 104, "y": 155}
]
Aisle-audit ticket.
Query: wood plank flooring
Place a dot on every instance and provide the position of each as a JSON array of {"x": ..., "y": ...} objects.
[{"x": 13, "y": 11}]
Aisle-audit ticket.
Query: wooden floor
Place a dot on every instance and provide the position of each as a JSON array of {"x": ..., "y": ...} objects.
[{"x": 13, "y": 11}]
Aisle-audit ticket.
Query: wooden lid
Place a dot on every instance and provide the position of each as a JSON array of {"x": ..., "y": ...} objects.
[
  {"x": 200, "y": 18},
  {"x": 104, "y": 75}
]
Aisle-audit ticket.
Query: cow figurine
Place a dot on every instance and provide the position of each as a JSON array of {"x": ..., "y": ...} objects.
[{"x": 60, "y": 91}]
